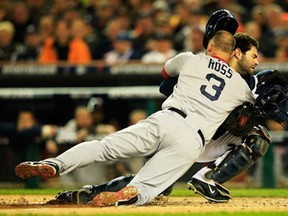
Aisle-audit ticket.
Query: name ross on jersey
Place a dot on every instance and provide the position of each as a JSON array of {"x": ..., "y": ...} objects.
[{"x": 220, "y": 68}]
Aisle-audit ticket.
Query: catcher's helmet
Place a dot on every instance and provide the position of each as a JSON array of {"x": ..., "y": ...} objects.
[
  {"x": 272, "y": 100},
  {"x": 220, "y": 20}
]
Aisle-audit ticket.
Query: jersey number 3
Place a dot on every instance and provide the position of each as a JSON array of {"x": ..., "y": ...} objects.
[{"x": 217, "y": 88}]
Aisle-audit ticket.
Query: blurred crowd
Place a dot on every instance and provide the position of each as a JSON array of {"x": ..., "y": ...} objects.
[
  {"x": 116, "y": 31},
  {"x": 27, "y": 138}
]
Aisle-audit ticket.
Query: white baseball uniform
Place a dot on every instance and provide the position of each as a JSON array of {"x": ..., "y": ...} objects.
[{"x": 207, "y": 91}]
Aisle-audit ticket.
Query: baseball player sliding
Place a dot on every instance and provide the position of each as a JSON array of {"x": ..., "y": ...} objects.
[
  {"x": 232, "y": 151},
  {"x": 174, "y": 137}
]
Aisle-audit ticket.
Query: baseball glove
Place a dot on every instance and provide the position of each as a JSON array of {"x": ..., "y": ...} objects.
[{"x": 242, "y": 119}]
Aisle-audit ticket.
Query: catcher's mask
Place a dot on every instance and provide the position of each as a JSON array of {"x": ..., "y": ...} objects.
[
  {"x": 272, "y": 101},
  {"x": 220, "y": 20}
]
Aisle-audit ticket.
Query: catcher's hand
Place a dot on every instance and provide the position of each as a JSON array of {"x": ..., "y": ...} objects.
[{"x": 242, "y": 119}]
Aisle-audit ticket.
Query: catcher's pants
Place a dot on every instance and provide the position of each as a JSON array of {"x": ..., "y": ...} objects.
[
  {"x": 216, "y": 148},
  {"x": 171, "y": 142}
]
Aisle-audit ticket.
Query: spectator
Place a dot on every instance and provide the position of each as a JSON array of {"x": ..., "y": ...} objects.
[
  {"x": 56, "y": 47},
  {"x": 7, "y": 47},
  {"x": 30, "y": 50},
  {"x": 182, "y": 38},
  {"x": 162, "y": 26},
  {"x": 73, "y": 12},
  {"x": 194, "y": 40},
  {"x": 143, "y": 31},
  {"x": 267, "y": 37},
  {"x": 102, "y": 14},
  {"x": 281, "y": 53},
  {"x": 123, "y": 17},
  {"x": 20, "y": 17},
  {"x": 253, "y": 29},
  {"x": 37, "y": 9},
  {"x": 46, "y": 27},
  {"x": 133, "y": 10},
  {"x": 59, "y": 7},
  {"x": 91, "y": 37},
  {"x": 274, "y": 17},
  {"x": 161, "y": 10},
  {"x": 4, "y": 11},
  {"x": 106, "y": 39},
  {"x": 180, "y": 17},
  {"x": 24, "y": 139},
  {"x": 62, "y": 47},
  {"x": 163, "y": 50},
  {"x": 77, "y": 129},
  {"x": 79, "y": 51},
  {"x": 122, "y": 51}
]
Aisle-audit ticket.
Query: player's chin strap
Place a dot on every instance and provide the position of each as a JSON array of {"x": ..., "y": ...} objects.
[{"x": 239, "y": 158}]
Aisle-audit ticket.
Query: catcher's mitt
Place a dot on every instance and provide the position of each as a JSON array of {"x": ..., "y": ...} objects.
[{"x": 242, "y": 119}]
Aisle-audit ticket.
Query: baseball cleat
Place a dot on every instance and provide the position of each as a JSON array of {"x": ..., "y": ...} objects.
[
  {"x": 113, "y": 198},
  {"x": 208, "y": 188},
  {"x": 29, "y": 169}
]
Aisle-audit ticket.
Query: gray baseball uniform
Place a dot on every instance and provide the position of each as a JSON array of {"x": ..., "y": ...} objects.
[
  {"x": 206, "y": 92},
  {"x": 216, "y": 148}
]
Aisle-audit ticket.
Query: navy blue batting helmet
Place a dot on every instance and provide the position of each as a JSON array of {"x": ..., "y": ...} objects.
[{"x": 220, "y": 20}]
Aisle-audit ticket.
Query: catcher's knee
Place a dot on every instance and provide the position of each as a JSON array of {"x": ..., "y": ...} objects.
[{"x": 258, "y": 142}]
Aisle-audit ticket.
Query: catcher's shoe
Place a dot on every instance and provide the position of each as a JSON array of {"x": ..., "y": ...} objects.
[
  {"x": 208, "y": 188},
  {"x": 29, "y": 169},
  {"x": 127, "y": 195}
]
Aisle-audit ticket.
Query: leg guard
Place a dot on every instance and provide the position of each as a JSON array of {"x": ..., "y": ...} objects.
[
  {"x": 234, "y": 163},
  {"x": 243, "y": 156}
]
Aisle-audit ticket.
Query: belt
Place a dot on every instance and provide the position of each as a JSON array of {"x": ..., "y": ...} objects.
[
  {"x": 184, "y": 115},
  {"x": 180, "y": 112}
]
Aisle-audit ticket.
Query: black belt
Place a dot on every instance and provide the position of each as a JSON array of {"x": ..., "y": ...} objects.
[
  {"x": 180, "y": 112},
  {"x": 184, "y": 115}
]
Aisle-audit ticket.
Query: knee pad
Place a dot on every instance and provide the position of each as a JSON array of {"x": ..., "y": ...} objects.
[{"x": 258, "y": 142}]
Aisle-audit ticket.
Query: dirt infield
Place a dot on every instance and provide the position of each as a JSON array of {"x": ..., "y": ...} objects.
[{"x": 32, "y": 204}]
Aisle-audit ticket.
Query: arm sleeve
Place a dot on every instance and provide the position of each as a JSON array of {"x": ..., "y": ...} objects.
[
  {"x": 173, "y": 66},
  {"x": 166, "y": 87}
]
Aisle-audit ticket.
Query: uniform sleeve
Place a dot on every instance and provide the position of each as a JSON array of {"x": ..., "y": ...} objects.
[{"x": 174, "y": 65}]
